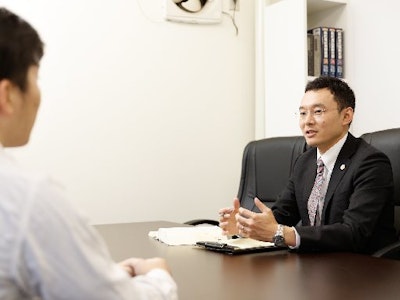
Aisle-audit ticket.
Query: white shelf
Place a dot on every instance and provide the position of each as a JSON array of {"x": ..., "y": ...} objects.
[
  {"x": 314, "y": 6},
  {"x": 285, "y": 25}
]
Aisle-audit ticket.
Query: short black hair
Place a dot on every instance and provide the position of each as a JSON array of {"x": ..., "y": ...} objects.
[
  {"x": 20, "y": 48},
  {"x": 340, "y": 90}
]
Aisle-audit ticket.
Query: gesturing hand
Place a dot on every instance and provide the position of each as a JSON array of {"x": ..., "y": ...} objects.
[
  {"x": 227, "y": 220},
  {"x": 260, "y": 226}
]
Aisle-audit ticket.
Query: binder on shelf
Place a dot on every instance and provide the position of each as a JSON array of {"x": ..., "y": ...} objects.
[
  {"x": 321, "y": 51},
  {"x": 332, "y": 51},
  {"x": 316, "y": 53},
  {"x": 324, "y": 51},
  {"x": 339, "y": 53},
  {"x": 310, "y": 54}
]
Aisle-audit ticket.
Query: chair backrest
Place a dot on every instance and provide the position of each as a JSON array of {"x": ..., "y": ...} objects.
[
  {"x": 266, "y": 167},
  {"x": 388, "y": 141}
]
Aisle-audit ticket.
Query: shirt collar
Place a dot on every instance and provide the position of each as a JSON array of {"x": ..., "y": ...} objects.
[{"x": 330, "y": 156}]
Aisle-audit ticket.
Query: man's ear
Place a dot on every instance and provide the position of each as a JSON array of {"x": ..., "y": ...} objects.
[
  {"x": 348, "y": 115},
  {"x": 6, "y": 97}
]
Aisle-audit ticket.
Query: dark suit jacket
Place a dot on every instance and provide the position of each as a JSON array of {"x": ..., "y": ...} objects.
[{"x": 358, "y": 212}]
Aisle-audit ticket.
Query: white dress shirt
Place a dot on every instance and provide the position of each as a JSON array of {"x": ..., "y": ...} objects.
[{"x": 48, "y": 251}]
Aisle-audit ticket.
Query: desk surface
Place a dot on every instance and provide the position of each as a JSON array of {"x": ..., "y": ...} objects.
[{"x": 202, "y": 274}]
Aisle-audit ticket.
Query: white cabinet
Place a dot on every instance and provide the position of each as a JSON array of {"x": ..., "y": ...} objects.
[{"x": 284, "y": 25}]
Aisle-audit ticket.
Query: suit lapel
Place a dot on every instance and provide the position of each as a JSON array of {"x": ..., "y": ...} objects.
[{"x": 342, "y": 164}]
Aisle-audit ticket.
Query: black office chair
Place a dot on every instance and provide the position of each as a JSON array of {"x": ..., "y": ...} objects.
[
  {"x": 388, "y": 141},
  {"x": 196, "y": 222},
  {"x": 266, "y": 168}
]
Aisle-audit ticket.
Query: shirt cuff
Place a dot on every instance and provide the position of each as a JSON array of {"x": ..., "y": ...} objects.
[{"x": 297, "y": 240}]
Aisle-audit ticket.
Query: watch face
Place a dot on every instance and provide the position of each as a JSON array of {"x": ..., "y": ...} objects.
[{"x": 279, "y": 241}]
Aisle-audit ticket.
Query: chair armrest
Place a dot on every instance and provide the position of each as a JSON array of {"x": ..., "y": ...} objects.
[
  {"x": 202, "y": 221},
  {"x": 391, "y": 251}
]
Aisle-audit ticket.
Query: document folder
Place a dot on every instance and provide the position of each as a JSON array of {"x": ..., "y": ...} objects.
[{"x": 238, "y": 246}]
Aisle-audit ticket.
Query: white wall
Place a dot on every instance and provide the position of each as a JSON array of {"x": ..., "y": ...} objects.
[
  {"x": 141, "y": 119},
  {"x": 374, "y": 63}
]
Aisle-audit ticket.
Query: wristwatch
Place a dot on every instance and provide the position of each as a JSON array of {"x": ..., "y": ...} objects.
[{"x": 279, "y": 238}]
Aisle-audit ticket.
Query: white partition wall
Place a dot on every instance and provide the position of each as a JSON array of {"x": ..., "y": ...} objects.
[{"x": 285, "y": 64}]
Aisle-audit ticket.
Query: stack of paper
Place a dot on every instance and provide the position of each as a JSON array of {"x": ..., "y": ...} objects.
[
  {"x": 246, "y": 243},
  {"x": 188, "y": 235}
]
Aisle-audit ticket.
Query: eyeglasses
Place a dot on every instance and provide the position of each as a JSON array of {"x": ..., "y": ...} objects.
[{"x": 315, "y": 113}]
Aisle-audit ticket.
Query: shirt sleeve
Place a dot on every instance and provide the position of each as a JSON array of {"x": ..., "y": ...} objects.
[
  {"x": 297, "y": 239},
  {"x": 60, "y": 256}
]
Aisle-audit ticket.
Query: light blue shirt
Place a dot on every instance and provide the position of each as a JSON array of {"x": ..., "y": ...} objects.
[{"x": 49, "y": 251}]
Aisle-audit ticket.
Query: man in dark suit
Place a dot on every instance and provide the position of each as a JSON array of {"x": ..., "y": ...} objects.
[{"x": 340, "y": 194}]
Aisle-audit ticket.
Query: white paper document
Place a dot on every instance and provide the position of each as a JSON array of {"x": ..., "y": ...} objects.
[
  {"x": 191, "y": 235},
  {"x": 188, "y": 235}
]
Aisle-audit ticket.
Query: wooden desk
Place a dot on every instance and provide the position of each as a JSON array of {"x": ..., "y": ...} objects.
[{"x": 201, "y": 274}]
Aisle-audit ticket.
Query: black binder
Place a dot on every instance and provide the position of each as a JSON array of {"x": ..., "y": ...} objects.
[{"x": 232, "y": 250}]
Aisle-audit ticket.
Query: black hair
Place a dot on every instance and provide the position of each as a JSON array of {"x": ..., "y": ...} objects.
[
  {"x": 20, "y": 48},
  {"x": 340, "y": 90}
]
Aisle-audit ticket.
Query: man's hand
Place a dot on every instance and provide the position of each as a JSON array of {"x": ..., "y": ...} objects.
[
  {"x": 227, "y": 220},
  {"x": 260, "y": 226},
  {"x": 139, "y": 266}
]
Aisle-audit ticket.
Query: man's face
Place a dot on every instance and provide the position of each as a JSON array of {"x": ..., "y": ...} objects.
[
  {"x": 321, "y": 122},
  {"x": 25, "y": 107}
]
